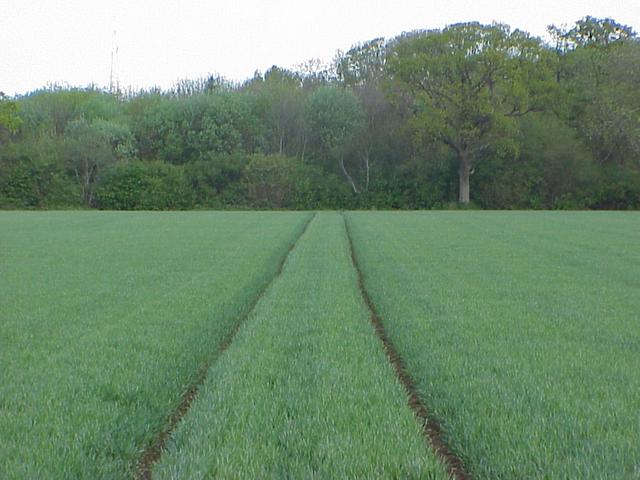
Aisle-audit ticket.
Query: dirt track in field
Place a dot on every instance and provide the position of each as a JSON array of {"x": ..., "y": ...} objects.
[
  {"x": 153, "y": 453},
  {"x": 431, "y": 429}
]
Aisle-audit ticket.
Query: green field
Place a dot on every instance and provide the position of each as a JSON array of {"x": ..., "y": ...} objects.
[
  {"x": 307, "y": 390},
  {"x": 520, "y": 330},
  {"x": 106, "y": 320}
]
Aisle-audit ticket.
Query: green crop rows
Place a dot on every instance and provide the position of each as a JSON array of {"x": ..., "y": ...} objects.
[
  {"x": 306, "y": 388},
  {"x": 106, "y": 319},
  {"x": 521, "y": 332}
]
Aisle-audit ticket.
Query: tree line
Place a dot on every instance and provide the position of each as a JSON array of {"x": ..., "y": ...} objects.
[{"x": 469, "y": 114}]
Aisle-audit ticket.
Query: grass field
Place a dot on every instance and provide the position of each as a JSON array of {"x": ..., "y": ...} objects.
[
  {"x": 106, "y": 319},
  {"x": 521, "y": 331},
  {"x": 305, "y": 390}
]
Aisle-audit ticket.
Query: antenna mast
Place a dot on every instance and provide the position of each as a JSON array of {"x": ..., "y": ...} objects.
[{"x": 113, "y": 80}]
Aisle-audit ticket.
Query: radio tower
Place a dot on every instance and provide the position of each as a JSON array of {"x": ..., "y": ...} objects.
[{"x": 114, "y": 87}]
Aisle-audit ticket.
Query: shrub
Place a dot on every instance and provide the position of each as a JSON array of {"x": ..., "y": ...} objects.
[
  {"x": 277, "y": 181},
  {"x": 25, "y": 184},
  {"x": 141, "y": 185},
  {"x": 216, "y": 180}
]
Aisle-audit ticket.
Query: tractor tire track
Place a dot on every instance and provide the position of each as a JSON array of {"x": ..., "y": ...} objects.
[
  {"x": 433, "y": 433},
  {"x": 153, "y": 453}
]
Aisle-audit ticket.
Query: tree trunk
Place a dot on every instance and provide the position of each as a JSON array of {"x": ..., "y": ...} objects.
[
  {"x": 366, "y": 164},
  {"x": 464, "y": 173},
  {"x": 346, "y": 174}
]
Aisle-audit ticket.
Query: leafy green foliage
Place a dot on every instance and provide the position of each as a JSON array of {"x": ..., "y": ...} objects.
[
  {"x": 271, "y": 181},
  {"x": 363, "y": 64},
  {"x": 187, "y": 129},
  {"x": 276, "y": 181},
  {"x": 397, "y": 121},
  {"x": 9, "y": 118},
  {"x": 216, "y": 180},
  {"x": 600, "y": 74},
  {"x": 144, "y": 186},
  {"x": 26, "y": 184},
  {"x": 552, "y": 169},
  {"x": 49, "y": 111},
  {"x": 469, "y": 82},
  {"x": 91, "y": 147},
  {"x": 280, "y": 103},
  {"x": 592, "y": 32},
  {"x": 334, "y": 116}
]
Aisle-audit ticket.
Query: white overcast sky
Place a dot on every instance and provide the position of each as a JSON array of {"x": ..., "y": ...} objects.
[{"x": 159, "y": 42}]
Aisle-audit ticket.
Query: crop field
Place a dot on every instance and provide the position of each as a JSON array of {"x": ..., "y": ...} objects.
[
  {"x": 308, "y": 391},
  {"x": 302, "y": 345},
  {"x": 521, "y": 330},
  {"x": 107, "y": 319}
]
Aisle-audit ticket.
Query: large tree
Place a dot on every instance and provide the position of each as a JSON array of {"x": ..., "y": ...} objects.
[
  {"x": 362, "y": 70},
  {"x": 281, "y": 105},
  {"x": 469, "y": 83},
  {"x": 599, "y": 73},
  {"x": 92, "y": 146},
  {"x": 335, "y": 117}
]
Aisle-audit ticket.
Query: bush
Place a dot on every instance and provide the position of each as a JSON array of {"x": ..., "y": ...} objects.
[
  {"x": 270, "y": 181},
  {"x": 277, "y": 181},
  {"x": 25, "y": 184},
  {"x": 216, "y": 180},
  {"x": 143, "y": 186},
  {"x": 617, "y": 190}
]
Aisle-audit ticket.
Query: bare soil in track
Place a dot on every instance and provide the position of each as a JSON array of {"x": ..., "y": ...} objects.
[
  {"x": 152, "y": 454},
  {"x": 430, "y": 426}
]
